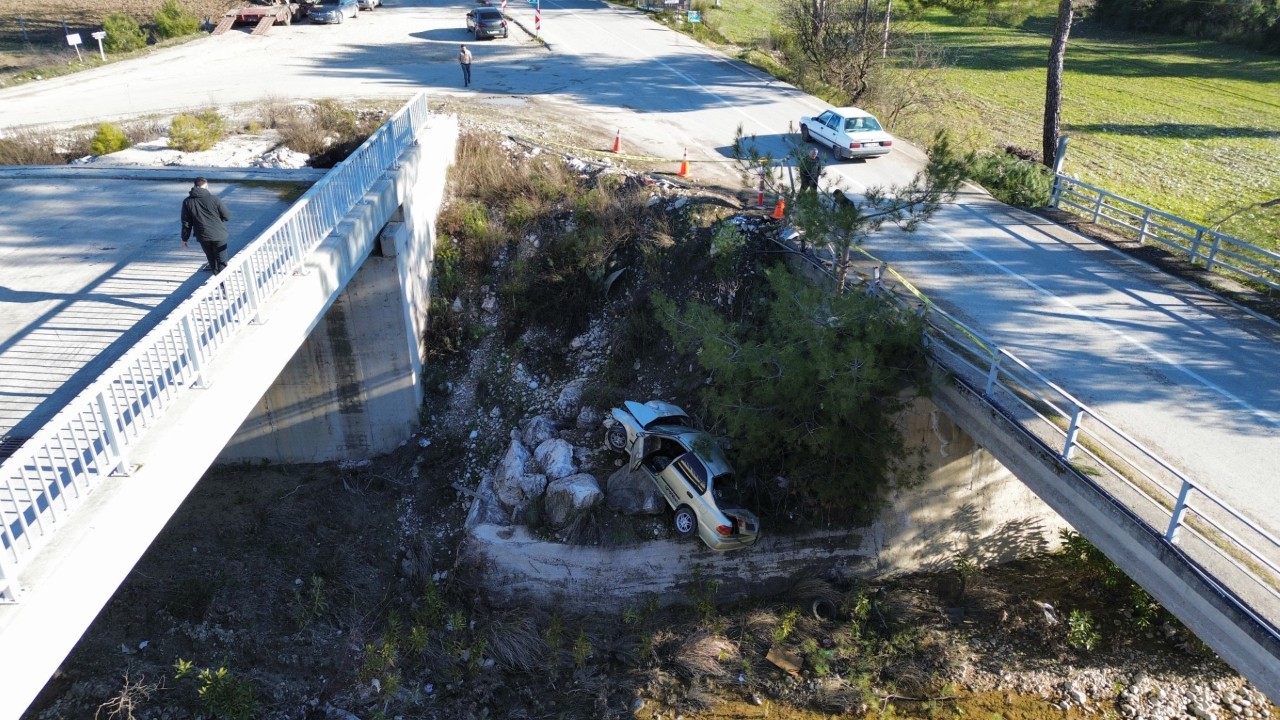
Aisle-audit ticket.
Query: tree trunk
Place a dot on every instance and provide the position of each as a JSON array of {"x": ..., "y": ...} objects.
[{"x": 1053, "y": 85}]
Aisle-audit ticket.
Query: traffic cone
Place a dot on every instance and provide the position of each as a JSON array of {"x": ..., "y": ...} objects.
[
  {"x": 617, "y": 141},
  {"x": 780, "y": 209},
  {"x": 684, "y": 164}
]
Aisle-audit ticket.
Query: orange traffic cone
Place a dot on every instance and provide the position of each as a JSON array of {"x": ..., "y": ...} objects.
[
  {"x": 780, "y": 209},
  {"x": 684, "y": 164},
  {"x": 617, "y": 141}
]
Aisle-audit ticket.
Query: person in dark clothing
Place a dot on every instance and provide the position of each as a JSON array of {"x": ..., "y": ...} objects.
[
  {"x": 810, "y": 171},
  {"x": 205, "y": 216}
]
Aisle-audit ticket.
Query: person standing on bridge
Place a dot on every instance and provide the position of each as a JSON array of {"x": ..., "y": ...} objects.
[
  {"x": 464, "y": 59},
  {"x": 205, "y": 216}
]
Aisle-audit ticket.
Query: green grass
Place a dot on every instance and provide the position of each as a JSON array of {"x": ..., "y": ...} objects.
[{"x": 1187, "y": 126}]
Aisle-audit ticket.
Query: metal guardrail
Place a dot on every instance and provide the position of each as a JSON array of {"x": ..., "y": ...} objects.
[
  {"x": 1202, "y": 245},
  {"x": 1242, "y": 556},
  {"x": 89, "y": 440}
]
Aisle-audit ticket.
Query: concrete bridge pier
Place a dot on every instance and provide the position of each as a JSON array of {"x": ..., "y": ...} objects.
[{"x": 353, "y": 389}]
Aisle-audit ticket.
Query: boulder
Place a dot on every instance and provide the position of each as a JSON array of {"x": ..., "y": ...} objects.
[
  {"x": 537, "y": 430},
  {"x": 570, "y": 399},
  {"x": 555, "y": 456},
  {"x": 589, "y": 417},
  {"x": 514, "y": 487},
  {"x": 633, "y": 493},
  {"x": 568, "y": 497}
]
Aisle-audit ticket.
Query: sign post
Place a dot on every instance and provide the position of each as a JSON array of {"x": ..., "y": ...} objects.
[
  {"x": 537, "y": 19},
  {"x": 73, "y": 39},
  {"x": 98, "y": 36}
]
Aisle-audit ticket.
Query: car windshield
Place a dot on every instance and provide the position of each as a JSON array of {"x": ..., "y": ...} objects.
[
  {"x": 860, "y": 124},
  {"x": 488, "y": 14}
]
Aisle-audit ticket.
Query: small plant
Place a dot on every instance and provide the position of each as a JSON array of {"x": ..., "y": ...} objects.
[
  {"x": 123, "y": 34},
  {"x": 582, "y": 650},
  {"x": 193, "y": 133},
  {"x": 108, "y": 139},
  {"x": 786, "y": 626},
  {"x": 726, "y": 244},
  {"x": 222, "y": 694},
  {"x": 965, "y": 567},
  {"x": 309, "y": 603},
  {"x": 172, "y": 20},
  {"x": 378, "y": 661},
  {"x": 817, "y": 657},
  {"x": 1082, "y": 633}
]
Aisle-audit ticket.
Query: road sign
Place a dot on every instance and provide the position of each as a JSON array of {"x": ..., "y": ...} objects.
[
  {"x": 98, "y": 36},
  {"x": 695, "y": 16},
  {"x": 73, "y": 39}
]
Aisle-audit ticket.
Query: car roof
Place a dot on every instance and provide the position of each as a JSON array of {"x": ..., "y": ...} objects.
[
  {"x": 488, "y": 11},
  {"x": 704, "y": 446},
  {"x": 852, "y": 112}
]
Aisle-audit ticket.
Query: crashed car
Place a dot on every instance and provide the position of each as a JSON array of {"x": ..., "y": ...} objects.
[{"x": 687, "y": 466}]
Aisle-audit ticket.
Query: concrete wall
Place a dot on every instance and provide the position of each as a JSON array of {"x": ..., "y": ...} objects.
[
  {"x": 353, "y": 388},
  {"x": 966, "y": 501}
]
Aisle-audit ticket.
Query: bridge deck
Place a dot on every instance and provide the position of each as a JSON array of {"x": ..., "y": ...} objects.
[{"x": 90, "y": 263}]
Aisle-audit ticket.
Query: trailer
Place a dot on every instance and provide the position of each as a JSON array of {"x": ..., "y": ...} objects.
[{"x": 262, "y": 15}]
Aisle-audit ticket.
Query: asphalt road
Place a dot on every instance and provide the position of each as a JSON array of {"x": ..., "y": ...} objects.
[{"x": 1194, "y": 378}]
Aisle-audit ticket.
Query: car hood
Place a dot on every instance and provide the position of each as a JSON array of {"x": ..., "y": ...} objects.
[{"x": 655, "y": 411}]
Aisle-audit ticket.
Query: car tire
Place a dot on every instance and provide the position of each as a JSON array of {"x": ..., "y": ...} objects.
[
  {"x": 686, "y": 522},
  {"x": 804, "y": 133},
  {"x": 616, "y": 437}
]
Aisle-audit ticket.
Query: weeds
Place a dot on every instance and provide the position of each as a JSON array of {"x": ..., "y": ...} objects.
[
  {"x": 222, "y": 694},
  {"x": 193, "y": 133},
  {"x": 309, "y": 603},
  {"x": 173, "y": 20},
  {"x": 1082, "y": 632},
  {"x": 129, "y": 699},
  {"x": 123, "y": 34},
  {"x": 109, "y": 138}
]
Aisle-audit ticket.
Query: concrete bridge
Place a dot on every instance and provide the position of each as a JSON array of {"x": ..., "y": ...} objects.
[
  {"x": 228, "y": 371},
  {"x": 345, "y": 271}
]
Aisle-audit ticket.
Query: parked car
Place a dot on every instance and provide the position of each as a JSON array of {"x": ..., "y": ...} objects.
[
  {"x": 486, "y": 22},
  {"x": 689, "y": 468},
  {"x": 850, "y": 132},
  {"x": 368, "y": 4},
  {"x": 334, "y": 11}
]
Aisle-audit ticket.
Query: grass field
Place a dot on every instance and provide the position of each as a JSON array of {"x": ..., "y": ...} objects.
[{"x": 1187, "y": 126}]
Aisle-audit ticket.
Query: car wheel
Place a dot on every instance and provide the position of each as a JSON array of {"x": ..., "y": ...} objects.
[
  {"x": 616, "y": 437},
  {"x": 804, "y": 133},
  {"x": 686, "y": 522}
]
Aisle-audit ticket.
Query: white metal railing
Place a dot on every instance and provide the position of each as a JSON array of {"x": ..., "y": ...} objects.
[
  {"x": 1241, "y": 557},
  {"x": 90, "y": 438},
  {"x": 1202, "y": 245}
]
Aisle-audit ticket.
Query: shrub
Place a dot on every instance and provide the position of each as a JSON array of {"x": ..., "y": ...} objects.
[
  {"x": 123, "y": 33},
  {"x": 172, "y": 20},
  {"x": 1014, "y": 181},
  {"x": 109, "y": 138},
  {"x": 314, "y": 129},
  {"x": 191, "y": 133},
  {"x": 30, "y": 147}
]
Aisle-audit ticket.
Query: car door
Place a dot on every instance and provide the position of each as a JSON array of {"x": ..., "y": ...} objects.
[
  {"x": 835, "y": 130},
  {"x": 818, "y": 127}
]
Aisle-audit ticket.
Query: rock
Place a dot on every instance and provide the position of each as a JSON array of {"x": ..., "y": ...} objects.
[
  {"x": 537, "y": 430},
  {"x": 568, "y": 497},
  {"x": 637, "y": 705},
  {"x": 633, "y": 493},
  {"x": 555, "y": 456},
  {"x": 589, "y": 417},
  {"x": 514, "y": 487},
  {"x": 571, "y": 398},
  {"x": 489, "y": 304}
]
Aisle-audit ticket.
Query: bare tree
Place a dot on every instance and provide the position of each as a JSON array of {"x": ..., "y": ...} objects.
[
  {"x": 1053, "y": 83},
  {"x": 838, "y": 39}
]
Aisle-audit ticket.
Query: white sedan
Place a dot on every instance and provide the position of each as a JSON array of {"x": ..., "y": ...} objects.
[{"x": 850, "y": 132}]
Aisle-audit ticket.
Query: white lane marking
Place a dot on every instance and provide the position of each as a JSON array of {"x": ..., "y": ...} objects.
[{"x": 1267, "y": 417}]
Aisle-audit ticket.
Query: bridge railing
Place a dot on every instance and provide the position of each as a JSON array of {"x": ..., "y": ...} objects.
[
  {"x": 1204, "y": 246},
  {"x": 1237, "y": 556},
  {"x": 89, "y": 440}
]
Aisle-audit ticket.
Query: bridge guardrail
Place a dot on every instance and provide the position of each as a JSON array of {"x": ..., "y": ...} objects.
[
  {"x": 1206, "y": 246},
  {"x": 89, "y": 439},
  {"x": 1242, "y": 556}
]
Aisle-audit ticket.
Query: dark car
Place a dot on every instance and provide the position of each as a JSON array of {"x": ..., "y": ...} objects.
[{"x": 486, "y": 22}]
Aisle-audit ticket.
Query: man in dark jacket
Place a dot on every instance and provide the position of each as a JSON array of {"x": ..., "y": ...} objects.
[
  {"x": 204, "y": 214},
  {"x": 810, "y": 170}
]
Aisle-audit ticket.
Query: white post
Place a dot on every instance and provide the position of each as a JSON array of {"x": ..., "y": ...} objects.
[
  {"x": 1072, "y": 432},
  {"x": 1179, "y": 510},
  {"x": 98, "y": 36}
]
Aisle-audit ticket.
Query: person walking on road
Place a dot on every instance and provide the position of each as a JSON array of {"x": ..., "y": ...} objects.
[
  {"x": 464, "y": 59},
  {"x": 205, "y": 216},
  {"x": 810, "y": 171}
]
